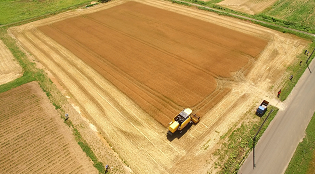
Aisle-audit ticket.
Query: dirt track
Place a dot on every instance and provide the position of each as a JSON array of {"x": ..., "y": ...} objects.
[
  {"x": 34, "y": 138},
  {"x": 136, "y": 136},
  {"x": 9, "y": 67}
]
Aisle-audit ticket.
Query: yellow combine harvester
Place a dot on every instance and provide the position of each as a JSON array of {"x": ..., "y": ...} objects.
[{"x": 183, "y": 119}]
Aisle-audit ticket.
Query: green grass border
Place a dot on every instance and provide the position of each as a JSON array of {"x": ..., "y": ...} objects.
[
  {"x": 88, "y": 151},
  {"x": 297, "y": 71},
  {"x": 29, "y": 71},
  {"x": 31, "y": 19},
  {"x": 240, "y": 143},
  {"x": 304, "y": 153}
]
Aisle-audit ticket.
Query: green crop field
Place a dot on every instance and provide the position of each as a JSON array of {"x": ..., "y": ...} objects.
[
  {"x": 303, "y": 160},
  {"x": 301, "y": 12},
  {"x": 19, "y": 10}
]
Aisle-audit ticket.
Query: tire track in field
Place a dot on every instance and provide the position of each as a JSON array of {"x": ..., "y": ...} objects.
[
  {"x": 93, "y": 76},
  {"x": 155, "y": 47},
  {"x": 112, "y": 102},
  {"x": 154, "y": 95},
  {"x": 122, "y": 111},
  {"x": 135, "y": 82},
  {"x": 29, "y": 35}
]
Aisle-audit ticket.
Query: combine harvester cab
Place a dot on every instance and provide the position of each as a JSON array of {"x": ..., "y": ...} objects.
[{"x": 184, "y": 118}]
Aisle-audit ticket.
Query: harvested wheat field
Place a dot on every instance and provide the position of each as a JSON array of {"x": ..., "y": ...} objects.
[
  {"x": 131, "y": 66},
  {"x": 34, "y": 138},
  {"x": 155, "y": 58},
  {"x": 9, "y": 67}
]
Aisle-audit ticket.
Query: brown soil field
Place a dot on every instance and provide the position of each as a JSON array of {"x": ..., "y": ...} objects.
[
  {"x": 112, "y": 92},
  {"x": 34, "y": 138},
  {"x": 9, "y": 67},
  {"x": 247, "y": 6},
  {"x": 155, "y": 58}
]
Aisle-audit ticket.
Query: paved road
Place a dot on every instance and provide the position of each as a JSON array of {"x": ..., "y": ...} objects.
[{"x": 276, "y": 147}]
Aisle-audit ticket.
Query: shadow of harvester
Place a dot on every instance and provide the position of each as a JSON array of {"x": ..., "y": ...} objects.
[{"x": 178, "y": 134}]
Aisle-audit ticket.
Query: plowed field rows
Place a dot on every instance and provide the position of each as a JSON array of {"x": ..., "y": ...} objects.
[
  {"x": 31, "y": 139},
  {"x": 136, "y": 62}
]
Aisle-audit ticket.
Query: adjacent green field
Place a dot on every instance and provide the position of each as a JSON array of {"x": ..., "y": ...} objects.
[
  {"x": 301, "y": 12},
  {"x": 18, "y": 10},
  {"x": 296, "y": 15},
  {"x": 303, "y": 160}
]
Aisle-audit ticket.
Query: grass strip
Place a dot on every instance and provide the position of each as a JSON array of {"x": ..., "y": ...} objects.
[
  {"x": 29, "y": 71},
  {"x": 239, "y": 142},
  {"x": 296, "y": 70},
  {"x": 303, "y": 159},
  {"x": 15, "y": 12},
  {"x": 180, "y": 2},
  {"x": 85, "y": 147}
]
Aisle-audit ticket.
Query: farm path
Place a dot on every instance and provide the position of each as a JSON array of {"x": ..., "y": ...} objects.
[
  {"x": 9, "y": 67},
  {"x": 137, "y": 137}
]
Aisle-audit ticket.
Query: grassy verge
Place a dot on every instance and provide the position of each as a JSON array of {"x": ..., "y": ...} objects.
[
  {"x": 303, "y": 158},
  {"x": 240, "y": 142},
  {"x": 297, "y": 71},
  {"x": 15, "y": 11},
  {"x": 179, "y": 2},
  {"x": 85, "y": 147},
  {"x": 29, "y": 71}
]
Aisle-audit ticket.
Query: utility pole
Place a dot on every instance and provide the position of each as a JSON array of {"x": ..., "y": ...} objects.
[{"x": 254, "y": 139}]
